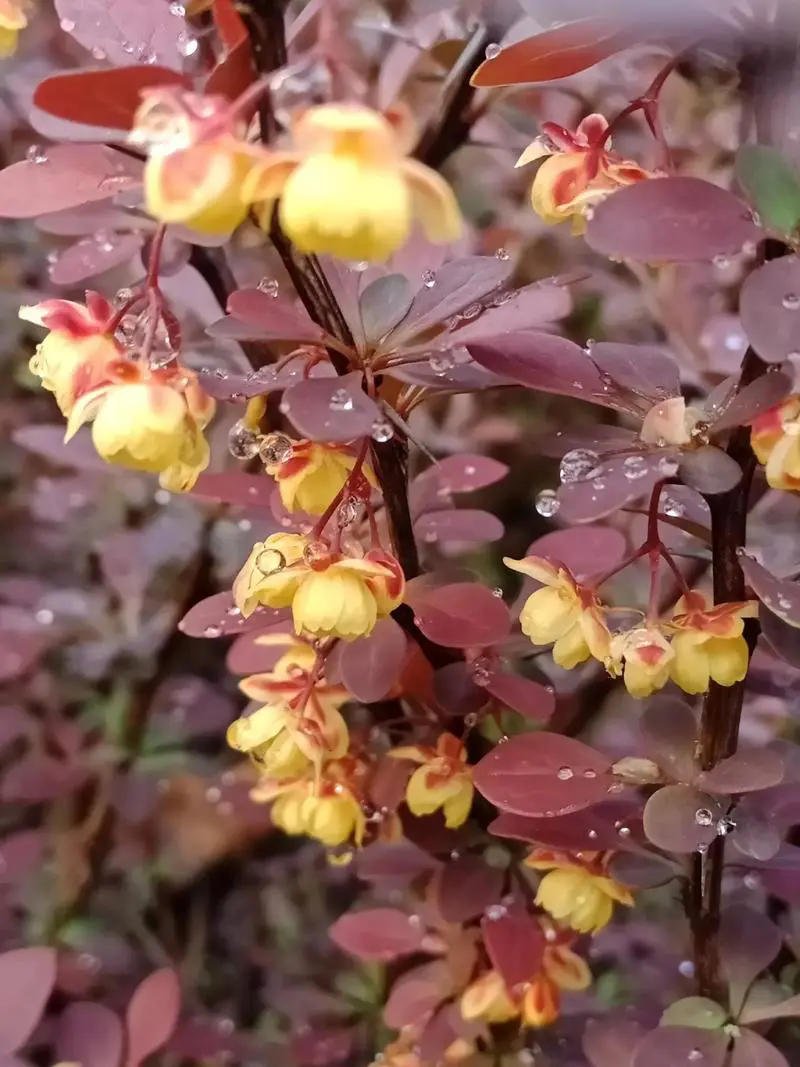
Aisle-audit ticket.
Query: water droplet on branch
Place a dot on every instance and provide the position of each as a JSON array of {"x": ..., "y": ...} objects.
[{"x": 547, "y": 503}]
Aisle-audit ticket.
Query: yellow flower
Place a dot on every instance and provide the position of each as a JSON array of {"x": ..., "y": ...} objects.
[
  {"x": 148, "y": 420},
  {"x": 331, "y": 595},
  {"x": 579, "y": 173},
  {"x": 709, "y": 643},
  {"x": 562, "y": 613},
  {"x": 348, "y": 189},
  {"x": 12, "y": 20},
  {"x": 313, "y": 475},
  {"x": 73, "y": 359},
  {"x": 328, "y": 808},
  {"x": 775, "y": 439},
  {"x": 647, "y": 657},
  {"x": 579, "y": 894},
  {"x": 488, "y": 998},
  {"x": 443, "y": 781}
]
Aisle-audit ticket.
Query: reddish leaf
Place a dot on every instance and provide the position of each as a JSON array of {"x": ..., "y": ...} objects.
[
  {"x": 38, "y": 778},
  {"x": 529, "y": 307},
  {"x": 752, "y": 1050},
  {"x": 230, "y": 27},
  {"x": 27, "y": 976},
  {"x": 554, "y": 54},
  {"x": 769, "y": 306},
  {"x": 89, "y": 1034},
  {"x": 748, "y": 942},
  {"x": 680, "y": 819},
  {"x": 383, "y": 304},
  {"x": 233, "y": 74},
  {"x": 671, "y": 220},
  {"x": 670, "y": 728},
  {"x": 611, "y": 1042},
  {"x": 585, "y": 551},
  {"x": 271, "y": 317},
  {"x": 120, "y": 29},
  {"x": 459, "y": 474},
  {"x": 515, "y": 943},
  {"x": 644, "y": 369},
  {"x": 73, "y": 174},
  {"x": 20, "y": 855},
  {"x": 378, "y": 934},
  {"x": 218, "y": 616},
  {"x": 756, "y": 398},
  {"x": 417, "y": 994},
  {"x": 780, "y": 595},
  {"x": 371, "y": 665},
  {"x": 318, "y": 1048},
  {"x": 107, "y": 98},
  {"x": 528, "y": 698},
  {"x": 710, "y": 470},
  {"x": 745, "y": 772},
  {"x": 545, "y": 362},
  {"x": 247, "y": 656},
  {"x": 331, "y": 409},
  {"x": 92, "y": 256},
  {"x": 466, "y": 526},
  {"x": 234, "y": 487},
  {"x": 461, "y": 615},
  {"x": 681, "y": 1046},
  {"x": 466, "y": 887},
  {"x": 543, "y": 774},
  {"x": 152, "y": 1014},
  {"x": 396, "y": 862},
  {"x": 784, "y": 639}
]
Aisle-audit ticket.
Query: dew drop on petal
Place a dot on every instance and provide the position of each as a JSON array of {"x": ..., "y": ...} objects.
[
  {"x": 270, "y": 562},
  {"x": 673, "y": 508},
  {"x": 275, "y": 448},
  {"x": 212, "y": 631},
  {"x": 547, "y": 503},
  {"x": 634, "y": 467}
]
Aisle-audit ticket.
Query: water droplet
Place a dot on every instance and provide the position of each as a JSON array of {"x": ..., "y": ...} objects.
[
  {"x": 634, "y": 467},
  {"x": 592, "y": 835},
  {"x": 186, "y": 44},
  {"x": 721, "y": 262},
  {"x": 122, "y": 296},
  {"x": 791, "y": 301},
  {"x": 578, "y": 465},
  {"x": 495, "y": 912},
  {"x": 146, "y": 55},
  {"x": 587, "y": 773},
  {"x": 382, "y": 431},
  {"x": 441, "y": 362},
  {"x": 270, "y": 562},
  {"x": 672, "y": 507},
  {"x": 36, "y": 154},
  {"x": 695, "y": 1055},
  {"x": 502, "y": 254},
  {"x": 547, "y": 503},
  {"x": 213, "y": 794},
  {"x": 686, "y": 968},
  {"x": 624, "y": 831},
  {"x": 348, "y": 511},
  {"x": 275, "y": 448},
  {"x": 725, "y": 827},
  {"x": 98, "y": 53},
  {"x": 45, "y": 617},
  {"x": 598, "y": 484},
  {"x": 177, "y": 9},
  {"x": 340, "y": 400},
  {"x": 212, "y": 631},
  {"x": 243, "y": 440},
  {"x": 53, "y": 258},
  {"x": 565, "y": 773},
  {"x": 428, "y": 279},
  {"x": 752, "y": 880},
  {"x": 67, "y": 25},
  {"x": 471, "y": 312},
  {"x": 493, "y": 51},
  {"x": 269, "y": 286},
  {"x": 471, "y": 719},
  {"x": 703, "y": 817},
  {"x": 481, "y": 672},
  {"x": 668, "y": 466},
  {"x": 128, "y": 47}
]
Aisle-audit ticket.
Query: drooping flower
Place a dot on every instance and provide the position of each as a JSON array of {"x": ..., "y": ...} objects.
[
  {"x": 643, "y": 657},
  {"x": 563, "y": 613},
  {"x": 577, "y": 891},
  {"x": 444, "y": 779},
  {"x": 12, "y": 20},
  {"x": 579, "y": 172},
  {"x": 313, "y": 474},
  {"x": 197, "y": 160},
  {"x": 708, "y": 642},
  {"x": 327, "y": 806},
  {"x": 148, "y": 419},
  {"x": 331, "y": 594},
  {"x": 348, "y": 189},
  {"x": 73, "y": 359},
  {"x": 775, "y": 439}
]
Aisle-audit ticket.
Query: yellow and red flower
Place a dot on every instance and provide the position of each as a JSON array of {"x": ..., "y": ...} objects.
[
  {"x": 775, "y": 439},
  {"x": 579, "y": 172},
  {"x": 326, "y": 806},
  {"x": 313, "y": 475},
  {"x": 444, "y": 779},
  {"x": 331, "y": 594},
  {"x": 708, "y": 642},
  {"x": 563, "y": 613},
  {"x": 74, "y": 357},
  {"x": 148, "y": 419},
  {"x": 577, "y": 891},
  {"x": 12, "y": 20},
  {"x": 348, "y": 188},
  {"x": 643, "y": 656},
  {"x": 197, "y": 160}
]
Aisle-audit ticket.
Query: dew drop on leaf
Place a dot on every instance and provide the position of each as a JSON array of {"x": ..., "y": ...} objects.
[
  {"x": 547, "y": 503},
  {"x": 791, "y": 301},
  {"x": 703, "y": 817},
  {"x": 177, "y": 9},
  {"x": 340, "y": 400},
  {"x": 441, "y": 362},
  {"x": 269, "y": 286},
  {"x": 502, "y": 254},
  {"x": 429, "y": 279},
  {"x": 36, "y": 154},
  {"x": 578, "y": 465},
  {"x": 565, "y": 773},
  {"x": 275, "y": 448},
  {"x": 382, "y": 431},
  {"x": 67, "y": 25},
  {"x": 187, "y": 44}
]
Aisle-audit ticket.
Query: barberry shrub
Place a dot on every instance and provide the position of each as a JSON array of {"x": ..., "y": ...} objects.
[{"x": 444, "y": 364}]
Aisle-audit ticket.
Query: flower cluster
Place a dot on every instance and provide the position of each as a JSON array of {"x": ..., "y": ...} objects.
[
  {"x": 699, "y": 644},
  {"x": 143, "y": 417}
]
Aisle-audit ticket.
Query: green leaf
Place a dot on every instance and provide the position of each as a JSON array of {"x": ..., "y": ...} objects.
[
  {"x": 771, "y": 185},
  {"x": 700, "y": 1012}
]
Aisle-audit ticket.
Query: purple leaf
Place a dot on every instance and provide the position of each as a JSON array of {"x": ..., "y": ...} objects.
[
  {"x": 467, "y": 526},
  {"x": 416, "y": 995},
  {"x": 371, "y": 665},
  {"x": 331, "y": 409},
  {"x": 545, "y": 362},
  {"x": 756, "y": 398},
  {"x": 457, "y": 285},
  {"x": 671, "y": 220},
  {"x": 784, "y": 639},
  {"x": 462, "y": 374},
  {"x": 37, "y": 778},
  {"x": 515, "y": 945},
  {"x": 640, "y": 870},
  {"x": 611, "y": 1042},
  {"x": 457, "y": 474},
  {"x": 89, "y": 1034},
  {"x": 320, "y": 1048},
  {"x": 534, "y": 305},
  {"x": 643, "y": 369},
  {"x": 786, "y": 1009},
  {"x": 680, "y": 819},
  {"x": 378, "y": 934},
  {"x": 710, "y": 470},
  {"x": 619, "y": 481},
  {"x": 747, "y": 943},
  {"x": 681, "y": 1046},
  {"x": 110, "y": 27},
  {"x": 19, "y": 652},
  {"x": 592, "y": 828},
  {"x": 462, "y": 615},
  {"x": 752, "y": 1050},
  {"x": 747, "y": 771},
  {"x": 670, "y": 729},
  {"x": 534, "y": 701},
  {"x": 769, "y": 307},
  {"x": 152, "y": 1014},
  {"x": 73, "y": 175},
  {"x": 88, "y": 218},
  {"x": 27, "y": 976},
  {"x": 225, "y": 386},
  {"x": 398, "y": 862},
  {"x": 466, "y": 887},
  {"x": 21, "y": 855},
  {"x": 273, "y": 317},
  {"x": 218, "y": 616},
  {"x": 92, "y": 256},
  {"x": 47, "y": 441},
  {"x": 597, "y": 548},
  {"x": 383, "y": 304},
  {"x": 543, "y": 774},
  {"x": 247, "y": 656},
  {"x": 234, "y": 487},
  {"x": 780, "y": 595}
]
